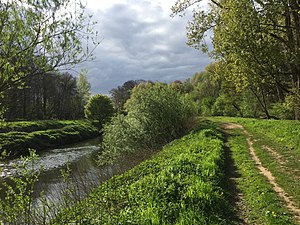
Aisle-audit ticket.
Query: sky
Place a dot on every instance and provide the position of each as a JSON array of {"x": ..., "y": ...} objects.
[{"x": 139, "y": 40}]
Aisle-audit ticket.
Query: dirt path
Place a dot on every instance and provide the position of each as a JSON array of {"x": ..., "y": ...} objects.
[{"x": 263, "y": 170}]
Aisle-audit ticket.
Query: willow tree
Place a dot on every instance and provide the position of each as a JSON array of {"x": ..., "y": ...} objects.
[
  {"x": 258, "y": 43},
  {"x": 38, "y": 36}
]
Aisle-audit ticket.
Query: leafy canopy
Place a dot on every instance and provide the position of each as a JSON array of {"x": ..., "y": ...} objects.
[{"x": 38, "y": 36}]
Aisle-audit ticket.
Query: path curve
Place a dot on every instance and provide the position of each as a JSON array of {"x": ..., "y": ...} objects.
[{"x": 290, "y": 204}]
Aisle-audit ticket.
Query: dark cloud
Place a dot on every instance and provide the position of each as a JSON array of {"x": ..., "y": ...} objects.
[{"x": 141, "y": 41}]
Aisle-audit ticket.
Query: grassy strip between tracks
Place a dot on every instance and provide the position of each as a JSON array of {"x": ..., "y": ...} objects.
[
  {"x": 180, "y": 185},
  {"x": 277, "y": 144},
  {"x": 263, "y": 205},
  {"x": 285, "y": 133}
]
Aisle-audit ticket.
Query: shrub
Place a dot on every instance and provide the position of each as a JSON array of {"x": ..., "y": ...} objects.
[
  {"x": 281, "y": 111},
  {"x": 156, "y": 115},
  {"x": 99, "y": 107}
]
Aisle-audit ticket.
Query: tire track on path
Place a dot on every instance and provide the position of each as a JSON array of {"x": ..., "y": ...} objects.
[{"x": 290, "y": 204}]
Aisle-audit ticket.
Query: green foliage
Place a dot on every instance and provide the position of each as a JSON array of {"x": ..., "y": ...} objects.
[
  {"x": 20, "y": 136},
  {"x": 122, "y": 93},
  {"x": 99, "y": 107},
  {"x": 155, "y": 116},
  {"x": 181, "y": 185},
  {"x": 223, "y": 107},
  {"x": 16, "y": 204},
  {"x": 249, "y": 40},
  {"x": 84, "y": 87},
  {"x": 41, "y": 36},
  {"x": 281, "y": 111}
]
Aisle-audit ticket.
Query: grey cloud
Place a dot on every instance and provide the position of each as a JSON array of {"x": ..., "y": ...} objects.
[{"x": 141, "y": 42}]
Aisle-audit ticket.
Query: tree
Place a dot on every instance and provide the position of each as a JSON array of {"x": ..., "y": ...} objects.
[
  {"x": 258, "y": 43},
  {"x": 164, "y": 112},
  {"x": 51, "y": 95},
  {"x": 84, "y": 87},
  {"x": 122, "y": 93},
  {"x": 83, "y": 91},
  {"x": 37, "y": 37},
  {"x": 99, "y": 107}
]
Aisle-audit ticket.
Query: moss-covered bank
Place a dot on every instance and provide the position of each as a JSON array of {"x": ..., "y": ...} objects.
[{"x": 17, "y": 137}]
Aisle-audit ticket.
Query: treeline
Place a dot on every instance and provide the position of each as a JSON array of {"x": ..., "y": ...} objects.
[
  {"x": 47, "y": 96},
  {"x": 216, "y": 96},
  {"x": 257, "y": 47}
]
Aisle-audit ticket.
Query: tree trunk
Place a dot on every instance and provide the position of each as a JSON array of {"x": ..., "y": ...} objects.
[{"x": 262, "y": 103}]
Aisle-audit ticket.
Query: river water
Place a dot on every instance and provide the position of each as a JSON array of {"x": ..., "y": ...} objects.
[{"x": 78, "y": 162}]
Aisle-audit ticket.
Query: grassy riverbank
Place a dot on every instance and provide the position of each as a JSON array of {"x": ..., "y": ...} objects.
[
  {"x": 180, "y": 185},
  {"x": 206, "y": 177},
  {"x": 17, "y": 137}
]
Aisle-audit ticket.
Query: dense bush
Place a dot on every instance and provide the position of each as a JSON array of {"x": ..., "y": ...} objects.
[
  {"x": 99, "y": 107},
  {"x": 281, "y": 111},
  {"x": 156, "y": 115}
]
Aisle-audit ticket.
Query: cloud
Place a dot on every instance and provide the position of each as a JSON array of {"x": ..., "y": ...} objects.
[{"x": 140, "y": 41}]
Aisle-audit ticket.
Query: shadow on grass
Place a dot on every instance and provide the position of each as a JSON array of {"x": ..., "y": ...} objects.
[{"x": 233, "y": 210}]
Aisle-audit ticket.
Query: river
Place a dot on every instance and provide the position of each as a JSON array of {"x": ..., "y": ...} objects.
[{"x": 78, "y": 162}]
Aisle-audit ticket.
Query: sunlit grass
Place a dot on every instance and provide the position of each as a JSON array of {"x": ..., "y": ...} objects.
[
  {"x": 263, "y": 205},
  {"x": 181, "y": 185}
]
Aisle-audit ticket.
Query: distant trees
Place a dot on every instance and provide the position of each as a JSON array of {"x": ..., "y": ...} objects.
[
  {"x": 216, "y": 96},
  {"x": 258, "y": 45},
  {"x": 99, "y": 107},
  {"x": 38, "y": 38},
  {"x": 45, "y": 96},
  {"x": 121, "y": 94}
]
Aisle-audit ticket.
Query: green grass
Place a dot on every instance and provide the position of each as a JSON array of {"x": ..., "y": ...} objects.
[
  {"x": 285, "y": 133},
  {"x": 18, "y": 142},
  {"x": 283, "y": 137},
  {"x": 180, "y": 185},
  {"x": 263, "y": 205},
  {"x": 31, "y": 126}
]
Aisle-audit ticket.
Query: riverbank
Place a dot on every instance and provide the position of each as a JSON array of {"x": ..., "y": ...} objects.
[
  {"x": 17, "y": 137},
  {"x": 180, "y": 185}
]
